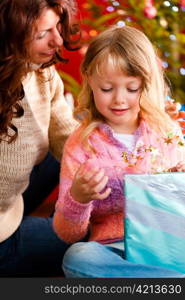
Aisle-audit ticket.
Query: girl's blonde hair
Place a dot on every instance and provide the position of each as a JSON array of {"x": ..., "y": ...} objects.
[{"x": 132, "y": 53}]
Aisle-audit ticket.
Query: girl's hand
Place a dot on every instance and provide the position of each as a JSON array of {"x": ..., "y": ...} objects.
[
  {"x": 88, "y": 184},
  {"x": 180, "y": 167}
]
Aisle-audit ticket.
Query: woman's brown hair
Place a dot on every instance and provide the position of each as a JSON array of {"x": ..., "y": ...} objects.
[{"x": 17, "y": 20}]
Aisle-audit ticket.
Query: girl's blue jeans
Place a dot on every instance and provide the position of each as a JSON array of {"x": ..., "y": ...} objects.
[{"x": 94, "y": 260}]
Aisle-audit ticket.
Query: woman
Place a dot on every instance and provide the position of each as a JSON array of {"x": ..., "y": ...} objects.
[{"x": 34, "y": 118}]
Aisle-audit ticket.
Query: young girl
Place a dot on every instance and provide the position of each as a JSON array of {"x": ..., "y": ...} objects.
[{"x": 124, "y": 130}]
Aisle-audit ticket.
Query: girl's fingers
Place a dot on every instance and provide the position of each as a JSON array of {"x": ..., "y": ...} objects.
[
  {"x": 80, "y": 170},
  {"x": 85, "y": 174},
  {"x": 103, "y": 195},
  {"x": 101, "y": 185},
  {"x": 173, "y": 169},
  {"x": 88, "y": 175},
  {"x": 97, "y": 178},
  {"x": 91, "y": 181},
  {"x": 92, "y": 176},
  {"x": 180, "y": 167}
]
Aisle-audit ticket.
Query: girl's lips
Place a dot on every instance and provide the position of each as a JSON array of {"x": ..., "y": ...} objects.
[{"x": 119, "y": 111}]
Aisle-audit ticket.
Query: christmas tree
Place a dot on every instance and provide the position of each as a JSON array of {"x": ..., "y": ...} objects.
[{"x": 162, "y": 21}]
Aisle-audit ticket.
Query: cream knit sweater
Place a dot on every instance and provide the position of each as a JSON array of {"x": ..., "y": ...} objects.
[{"x": 46, "y": 123}]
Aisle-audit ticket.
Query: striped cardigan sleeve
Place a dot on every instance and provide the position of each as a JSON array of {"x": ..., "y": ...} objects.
[{"x": 71, "y": 218}]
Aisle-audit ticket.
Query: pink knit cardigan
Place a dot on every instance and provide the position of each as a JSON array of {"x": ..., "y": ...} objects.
[{"x": 103, "y": 219}]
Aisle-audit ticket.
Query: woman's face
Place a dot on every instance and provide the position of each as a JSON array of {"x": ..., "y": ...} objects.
[{"x": 46, "y": 38}]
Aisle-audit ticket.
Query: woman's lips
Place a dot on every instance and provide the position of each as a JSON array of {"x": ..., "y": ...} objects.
[{"x": 49, "y": 53}]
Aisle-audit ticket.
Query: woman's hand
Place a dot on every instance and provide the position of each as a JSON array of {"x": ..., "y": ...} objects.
[
  {"x": 88, "y": 184},
  {"x": 173, "y": 110},
  {"x": 180, "y": 167}
]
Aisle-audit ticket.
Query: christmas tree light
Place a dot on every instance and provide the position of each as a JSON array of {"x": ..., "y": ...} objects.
[{"x": 162, "y": 21}]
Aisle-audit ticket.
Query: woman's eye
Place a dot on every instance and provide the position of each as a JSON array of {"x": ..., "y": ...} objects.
[{"x": 41, "y": 35}]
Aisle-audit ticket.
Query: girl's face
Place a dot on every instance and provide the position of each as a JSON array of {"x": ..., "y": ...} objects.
[
  {"x": 46, "y": 39},
  {"x": 117, "y": 98}
]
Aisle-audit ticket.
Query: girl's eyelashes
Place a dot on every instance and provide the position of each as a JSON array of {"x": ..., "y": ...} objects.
[
  {"x": 106, "y": 90},
  {"x": 128, "y": 89},
  {"x": 133, "y": 90}
]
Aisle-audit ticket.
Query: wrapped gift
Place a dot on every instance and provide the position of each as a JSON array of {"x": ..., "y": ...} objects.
[{"x": 155, "y": 220}]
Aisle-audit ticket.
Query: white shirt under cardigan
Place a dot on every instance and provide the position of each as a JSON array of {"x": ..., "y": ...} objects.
[{"x": 127, "y": 139}]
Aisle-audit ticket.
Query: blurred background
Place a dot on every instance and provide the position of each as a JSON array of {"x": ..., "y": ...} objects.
[{"x": 162, "y": 21}]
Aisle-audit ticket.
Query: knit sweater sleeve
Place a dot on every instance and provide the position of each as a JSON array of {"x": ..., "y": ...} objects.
[
  {"x": 62, "y": 122},
  {"x": 71, "y": 218}
]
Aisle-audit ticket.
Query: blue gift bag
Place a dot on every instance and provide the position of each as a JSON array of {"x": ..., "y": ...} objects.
[{"x": 155, "y": 220}]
